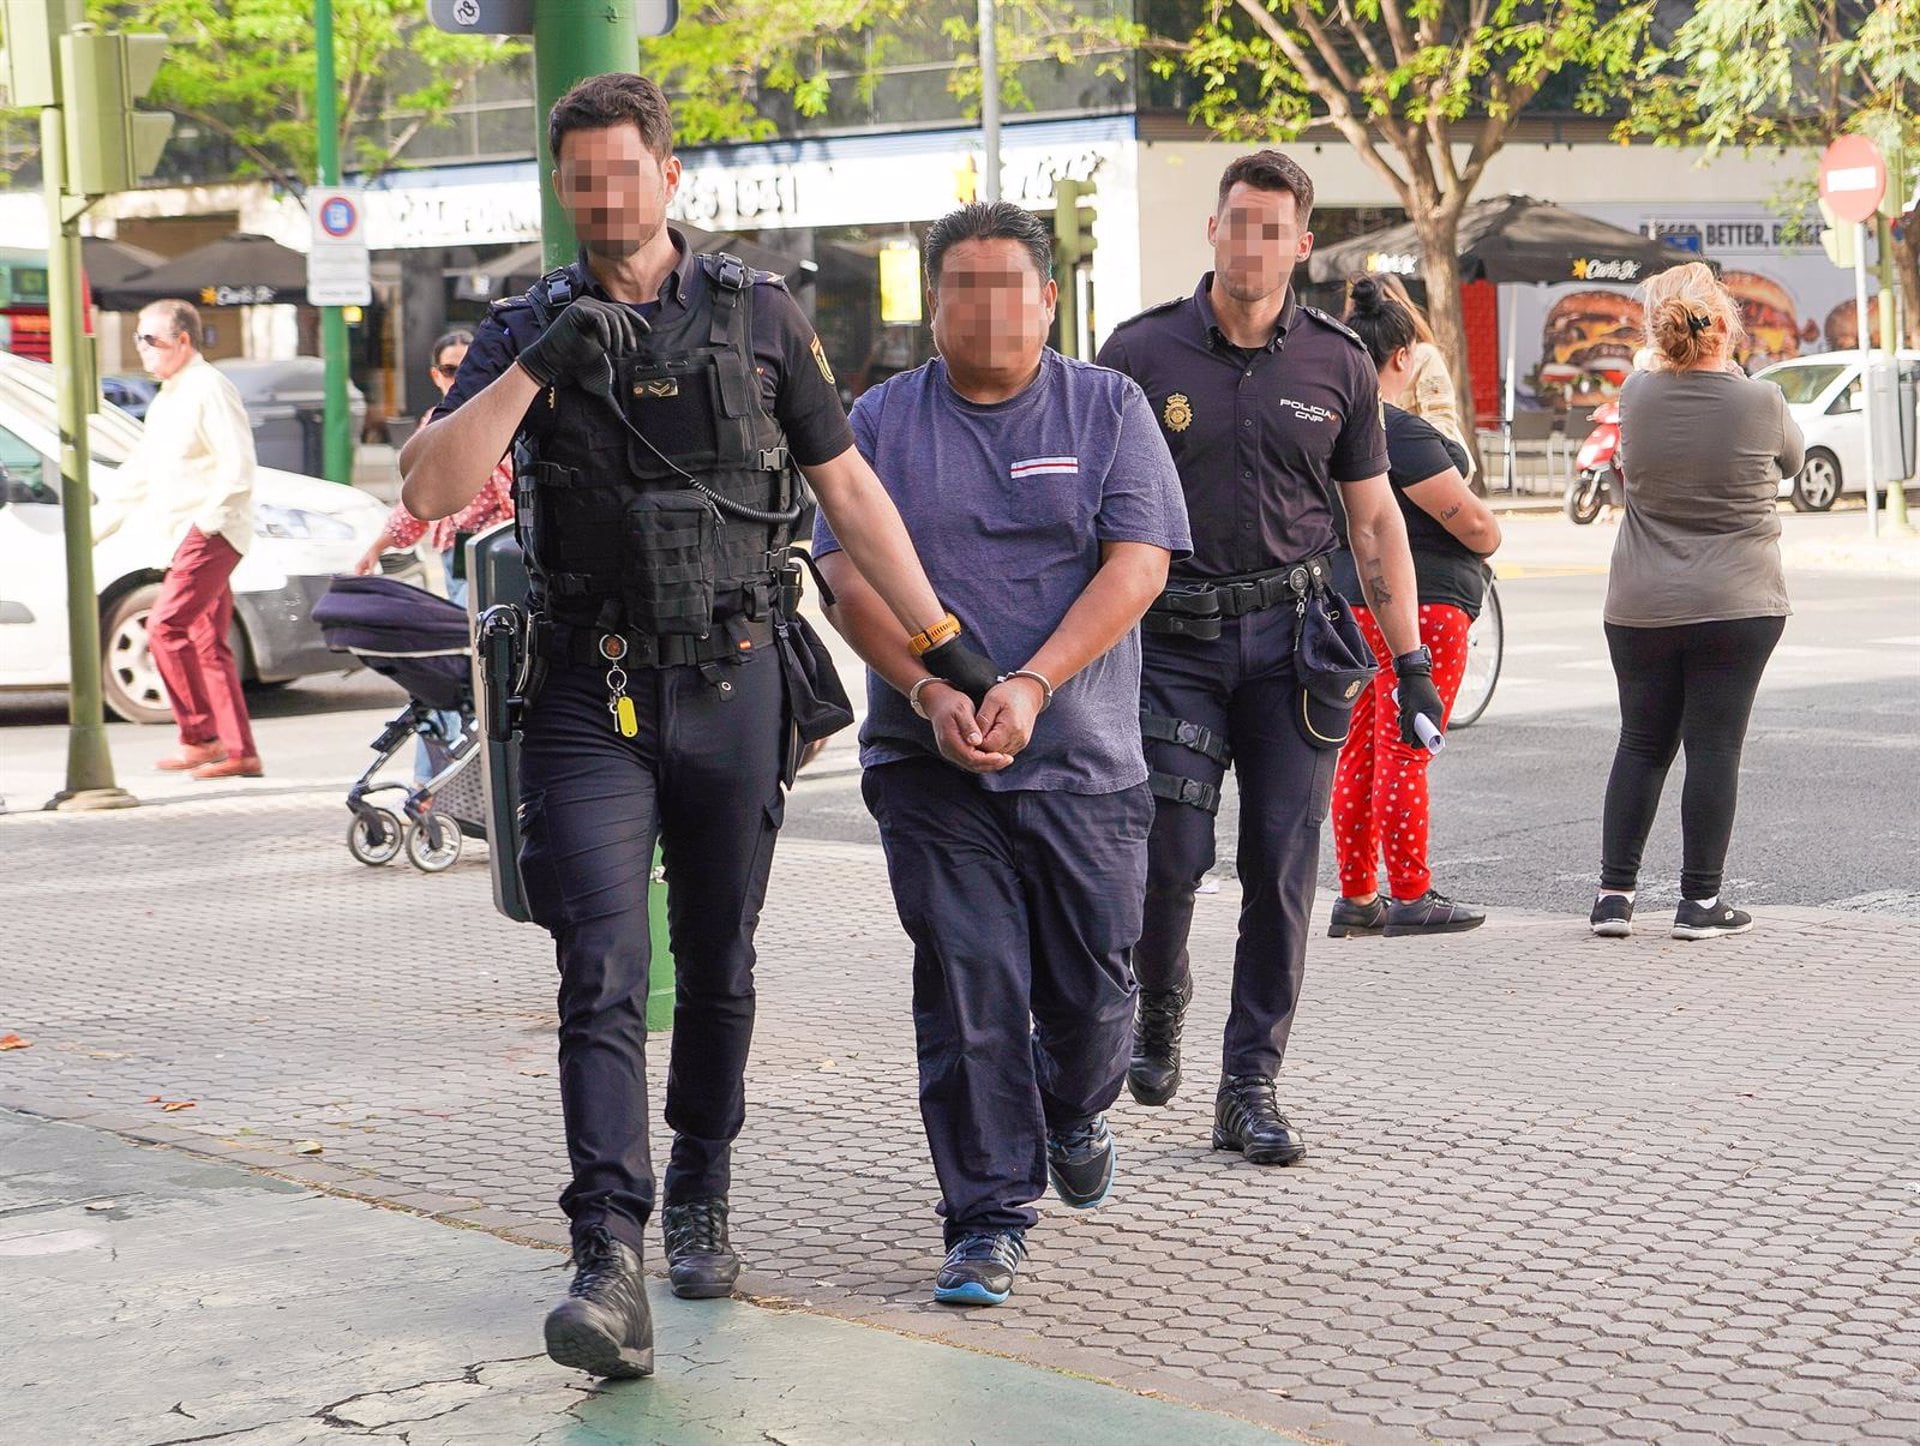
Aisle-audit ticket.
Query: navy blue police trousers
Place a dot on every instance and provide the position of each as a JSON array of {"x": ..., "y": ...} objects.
[
  {"x": 701, "y": 776},
  {"x": 1242, "y": 686},
  {"x": 1022, "y": 906}
]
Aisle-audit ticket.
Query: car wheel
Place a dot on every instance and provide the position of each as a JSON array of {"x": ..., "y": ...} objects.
[
  {"x": 1818, "y": 486},
  {"x": 129, "y": 680}
]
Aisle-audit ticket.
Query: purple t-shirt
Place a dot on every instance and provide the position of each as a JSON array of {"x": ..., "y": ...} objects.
[{"x": 1007, "y": 506}]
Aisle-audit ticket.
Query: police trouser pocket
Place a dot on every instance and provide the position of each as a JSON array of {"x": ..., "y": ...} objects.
[
  {"x": 539, "y": 875},
  {"x": 673, "y": 539}
]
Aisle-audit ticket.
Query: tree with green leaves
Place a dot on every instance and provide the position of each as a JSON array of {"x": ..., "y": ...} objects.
[
  {"x": 1796, "y": 73},
  {"x": 1425, "y": 91},
  {"x": 244, "y": 70}
]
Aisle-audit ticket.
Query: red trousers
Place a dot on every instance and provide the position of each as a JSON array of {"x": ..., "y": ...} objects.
[
  {"x": 187, "y": 633},
  {"x": 1380, "y": 786}
]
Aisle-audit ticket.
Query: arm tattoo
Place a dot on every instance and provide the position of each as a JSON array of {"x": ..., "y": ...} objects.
[
  {"x": 1452, "y": 512},
  {"x": 1378, "y": 594}
]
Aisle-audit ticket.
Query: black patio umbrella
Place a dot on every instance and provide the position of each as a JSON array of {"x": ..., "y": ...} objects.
[
  {"x": 108, "y": 263},
  {"x": 1511, "y": 238},
  {"x": 238, "y": 270}
]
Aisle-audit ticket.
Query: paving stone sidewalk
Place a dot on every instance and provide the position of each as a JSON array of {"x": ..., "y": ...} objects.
[{"x": 1560, "y": 1189}]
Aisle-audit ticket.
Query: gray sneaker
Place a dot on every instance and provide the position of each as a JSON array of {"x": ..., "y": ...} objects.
[{"x": 1432, "y": 913}]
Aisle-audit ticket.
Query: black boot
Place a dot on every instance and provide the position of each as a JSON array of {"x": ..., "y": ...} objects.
[
  {"x": 1154, "y": 1072},
  {"x": 603, "y": 1327},
  {"x": 1246, "y": 1118},
  {"x": 700, "y": 1259}
]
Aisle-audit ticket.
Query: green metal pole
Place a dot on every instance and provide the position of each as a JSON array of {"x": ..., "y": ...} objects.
[
  {"x": 90, "y": 783},
  {"x": 1896, "y": 522},
  {"x": 573, "y": 39},
  {"x": 337, "y": 440}
]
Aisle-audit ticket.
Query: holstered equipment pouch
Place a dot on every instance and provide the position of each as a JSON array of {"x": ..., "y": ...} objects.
[{"x": 668, "y": 590}]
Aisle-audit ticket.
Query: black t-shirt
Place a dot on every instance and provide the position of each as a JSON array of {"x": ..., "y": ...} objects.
[
  {"x": 1261, "y": 437},
  {"x": 1445, "y": 570},
  {"x": 796, "y": 383}
]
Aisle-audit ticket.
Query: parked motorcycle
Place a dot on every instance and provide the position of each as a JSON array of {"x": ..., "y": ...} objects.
[{"x": 1598, "y": 480}]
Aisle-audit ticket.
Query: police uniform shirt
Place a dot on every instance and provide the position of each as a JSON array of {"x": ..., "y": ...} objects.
[
  {"x": 796, "y": 384},
  {"x": 1260, "y": 436}
]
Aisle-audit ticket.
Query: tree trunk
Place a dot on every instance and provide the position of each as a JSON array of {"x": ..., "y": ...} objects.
[
  {"x": 1440, "y": 268},
  {"x": 1906, "y": 267}
]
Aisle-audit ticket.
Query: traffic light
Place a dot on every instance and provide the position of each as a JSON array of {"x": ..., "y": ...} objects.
[
  {"x": 30, "y": 28},
  {"x": 110, "y": 145},
  {"x": 1072, "y": 222},
  {"x": 1839, "y": 239}
]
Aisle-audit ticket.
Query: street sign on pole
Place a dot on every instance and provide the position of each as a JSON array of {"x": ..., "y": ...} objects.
[
  {"x": 515, "y": 17},
  {"x": 338, "y": 271},
  {"x": 1853, "y": 178}
]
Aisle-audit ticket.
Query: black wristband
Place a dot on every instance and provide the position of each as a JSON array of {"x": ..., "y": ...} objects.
[
  {"x": 1420, "y": 660},
  {"x": 954, "y": 662}
]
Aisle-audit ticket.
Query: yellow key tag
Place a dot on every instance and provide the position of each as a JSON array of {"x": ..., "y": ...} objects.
[{"x": 623, "y": 716}]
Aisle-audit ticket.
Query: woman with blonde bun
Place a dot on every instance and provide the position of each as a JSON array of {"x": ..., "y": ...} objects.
[
  {"x": 1429, "y": 393},
  {"x": 1696, "y": 599}
]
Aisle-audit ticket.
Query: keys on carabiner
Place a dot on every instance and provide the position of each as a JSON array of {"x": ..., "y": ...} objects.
[{"x": 613, "y": 647}]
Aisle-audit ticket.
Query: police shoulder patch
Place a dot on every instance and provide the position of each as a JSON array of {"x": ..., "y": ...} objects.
[
  {"x": 820, "y": 359},
  {"x": 1329, "y": 320},
  {"x": 1158, "y": 310}
]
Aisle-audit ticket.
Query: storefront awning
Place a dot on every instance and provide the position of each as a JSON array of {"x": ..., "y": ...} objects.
[{"x": 238, "y": 270}]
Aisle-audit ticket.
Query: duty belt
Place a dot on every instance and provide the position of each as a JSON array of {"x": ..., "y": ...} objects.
[
  {"x": 1196, "y": 610},
  {"x": 590, "y": 645}
]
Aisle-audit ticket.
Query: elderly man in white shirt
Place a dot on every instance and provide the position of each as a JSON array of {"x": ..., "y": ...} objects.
[{"x": 192, "y": 475}]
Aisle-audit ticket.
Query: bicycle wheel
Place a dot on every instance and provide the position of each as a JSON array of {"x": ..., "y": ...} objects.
[{"x": 1486, "y": 640}]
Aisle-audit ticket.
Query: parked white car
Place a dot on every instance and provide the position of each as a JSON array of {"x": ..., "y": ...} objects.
[
  {"x": 1824, "y": 396},
  {"x": 305, "y": 533}
]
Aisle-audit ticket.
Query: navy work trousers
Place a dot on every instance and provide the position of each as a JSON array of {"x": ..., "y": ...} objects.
[
  {"x": 1021, "y": 907},
  {"x": 1241, "y": 685},
  {"x": 702, "y": 776}
]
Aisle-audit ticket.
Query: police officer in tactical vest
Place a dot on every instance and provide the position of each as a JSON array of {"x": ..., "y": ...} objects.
[{"x": 656, "y": 403}]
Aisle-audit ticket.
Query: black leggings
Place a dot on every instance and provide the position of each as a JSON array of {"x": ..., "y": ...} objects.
[{"x": 1692, "y": 684}]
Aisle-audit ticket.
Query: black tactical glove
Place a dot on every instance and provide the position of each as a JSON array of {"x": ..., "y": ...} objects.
[
  {"x": 582, "y": 339},
  {"x": 1418, "y": 696},
  {"x": 954, "y": 662}
]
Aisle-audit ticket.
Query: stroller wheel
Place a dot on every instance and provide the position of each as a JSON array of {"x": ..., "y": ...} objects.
[
  {"x": 433, "y": 844},
  {"x": 375, "y": 835}
]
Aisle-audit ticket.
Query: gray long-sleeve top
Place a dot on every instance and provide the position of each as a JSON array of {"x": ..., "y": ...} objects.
[{"x": 1704, "y": 453}]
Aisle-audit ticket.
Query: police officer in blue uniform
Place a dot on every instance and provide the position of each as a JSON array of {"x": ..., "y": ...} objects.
[
  {"x": 1267, "y": 406},
  {"x": 655, "y": 400}
]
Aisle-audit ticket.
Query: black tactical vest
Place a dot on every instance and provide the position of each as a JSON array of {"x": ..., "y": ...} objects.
[{"x": 651, "y": 499}]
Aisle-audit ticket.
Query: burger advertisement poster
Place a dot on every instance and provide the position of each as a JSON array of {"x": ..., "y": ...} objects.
[{"x": 1575, "y": 341}]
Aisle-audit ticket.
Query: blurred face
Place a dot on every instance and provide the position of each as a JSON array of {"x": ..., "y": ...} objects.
[
  {"x": 614, "y": 189},
  {"x": 1257, "y": 240},
  {"x": 992, "y": 309},
  {"x": 163, "y": 351},
  {"x": 446, "y": 366}
]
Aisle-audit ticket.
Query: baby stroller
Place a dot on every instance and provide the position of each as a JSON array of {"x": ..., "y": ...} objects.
[{"x": 422, "y": 643}]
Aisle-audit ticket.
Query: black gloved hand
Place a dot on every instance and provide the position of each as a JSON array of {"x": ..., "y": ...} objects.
[
  {"x": 1418, "y": 696},
  {"x": 582, "y": 340},
  {"x": 954, "y": 662}
]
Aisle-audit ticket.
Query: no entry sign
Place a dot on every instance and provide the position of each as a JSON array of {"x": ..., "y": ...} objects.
[{"x": 1853, "y": 178}]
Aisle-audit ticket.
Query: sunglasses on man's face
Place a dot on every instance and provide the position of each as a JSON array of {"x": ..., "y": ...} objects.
[
  {"x": 147, "y": 338},
  {"x": 445, "y": 371}
]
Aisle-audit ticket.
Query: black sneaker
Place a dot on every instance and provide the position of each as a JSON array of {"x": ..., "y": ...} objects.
[
  {"x": 1080, "y": 1163},
  {"x": 1153, "y": 1073},
  {"x": 979, "y": 1269},
  {"x": 1697, "y": 921},
  {"x": 1612, "y": 916},
  {"x": 1246, "y": 1118},
  {"x": 604, "y": 1326},
  {"x": 700, "y": 1261},
  {"x": 1350, "y": 918},
  {"x": 1432, "y": 913}
]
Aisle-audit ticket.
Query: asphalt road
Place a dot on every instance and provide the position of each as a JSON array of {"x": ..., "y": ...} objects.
[
  {"x": 1830, "y": 789},
  {"x": 1830, "y": 807}
]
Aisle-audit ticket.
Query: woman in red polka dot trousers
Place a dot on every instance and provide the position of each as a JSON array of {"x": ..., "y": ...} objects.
[{"x": 1380, "y": 805}]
